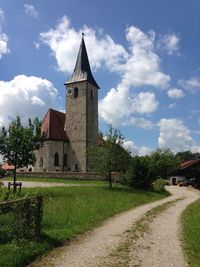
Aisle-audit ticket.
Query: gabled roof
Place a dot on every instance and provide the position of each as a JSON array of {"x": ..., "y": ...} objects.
[
  {"x": 188, "y": 168},
  {"x": 7, "y": 167},
  {"x": 189, "y": 163},
  {"x": 82, "y": 70},
  {"x": 53, "y": 125}
]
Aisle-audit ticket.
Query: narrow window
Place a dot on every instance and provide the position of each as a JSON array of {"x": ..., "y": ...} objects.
[
  {"x": 56, "y": 160},
  {"x": 91, "y": 94},
  {"x": 65, "y": 160},
  {"x": 75, "y": 92},
  {"x": 41, "y": 162},
  {"x": 76, "y": 167}
]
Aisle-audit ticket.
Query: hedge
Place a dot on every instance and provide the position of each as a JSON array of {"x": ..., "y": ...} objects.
[{"x": 21, "y": 219}]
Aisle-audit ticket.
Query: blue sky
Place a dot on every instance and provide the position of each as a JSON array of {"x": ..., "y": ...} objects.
[{"x": 144, "y": 55}]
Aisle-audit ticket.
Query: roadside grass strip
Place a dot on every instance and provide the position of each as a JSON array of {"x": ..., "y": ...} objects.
[{"x": 190, "y": 220}]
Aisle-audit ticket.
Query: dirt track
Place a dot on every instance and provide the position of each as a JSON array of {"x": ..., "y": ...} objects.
[
  {"x": 90, "y": 249},
  {"x": 46, "y": 184}
]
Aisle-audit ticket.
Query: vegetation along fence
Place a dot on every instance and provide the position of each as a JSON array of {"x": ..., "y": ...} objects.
[{"x": 21, "y": 219}]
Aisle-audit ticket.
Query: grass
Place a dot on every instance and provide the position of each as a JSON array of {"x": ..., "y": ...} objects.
[
  {"x": 121, "y": 256},
  {"x": 191, "y": 233},
  {"x": 69, "y": 212}
]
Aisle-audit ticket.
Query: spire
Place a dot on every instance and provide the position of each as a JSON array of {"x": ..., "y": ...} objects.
[{"x": 82, "y": 71}]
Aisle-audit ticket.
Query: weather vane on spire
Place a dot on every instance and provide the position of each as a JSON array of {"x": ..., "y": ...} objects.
[{"x": 83, "y": 34}]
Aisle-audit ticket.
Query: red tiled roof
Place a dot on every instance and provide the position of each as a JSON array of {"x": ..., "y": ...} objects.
[
  {"x": 189, "y": 163},
  {"x": 7, "y": 167},
  {"x": 53, "y": 125}
]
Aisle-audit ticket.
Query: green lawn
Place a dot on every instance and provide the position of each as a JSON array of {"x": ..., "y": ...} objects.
[
  {"x": 191, "y": 233},
  {"x": 71, "y": 211}
]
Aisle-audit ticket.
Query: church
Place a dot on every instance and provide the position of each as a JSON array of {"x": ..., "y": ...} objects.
[{"x": 69, "y": 135}]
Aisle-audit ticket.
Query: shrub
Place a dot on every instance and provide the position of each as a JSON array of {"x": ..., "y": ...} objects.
[
  {"x": 159, "y": 185},
  {"x": 139, "y": 173},
  {"x": 6, "y": 194},
  {"x": 21, "y": 219}
]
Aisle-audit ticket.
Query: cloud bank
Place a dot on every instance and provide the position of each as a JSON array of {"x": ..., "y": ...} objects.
[{"x": 25, "y": 96}]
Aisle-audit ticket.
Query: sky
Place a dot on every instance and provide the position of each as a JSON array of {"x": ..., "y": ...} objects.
[{"x": 144, "y": 55}]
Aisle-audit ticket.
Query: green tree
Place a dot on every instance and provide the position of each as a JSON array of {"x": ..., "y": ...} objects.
[
  {"x": 109, "y": 155},
  {"x": 144, "y": 171},
  {"x": 187, "y": 155},
  {"x": 162, "y": 162},
  {"x": 139, "y": 175},
  {"x": 17, "y": 145}
]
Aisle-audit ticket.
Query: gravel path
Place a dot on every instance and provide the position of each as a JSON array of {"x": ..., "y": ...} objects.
[
  {"x": 88, "y": 250},
  {"x": 46, "y": 184},
  {"x": 161, "y": 246}
]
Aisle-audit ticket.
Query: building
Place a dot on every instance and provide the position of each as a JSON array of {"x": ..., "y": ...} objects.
[
  {"x": 6, "y": 167},
  {"x": 69, "y": 136},
  {"x": 187, "y": 173}
]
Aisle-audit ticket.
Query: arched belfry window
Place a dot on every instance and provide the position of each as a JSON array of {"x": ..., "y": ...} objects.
[
  {"x": 56, "y": 160},
  {"x": 75, "y": 92}
]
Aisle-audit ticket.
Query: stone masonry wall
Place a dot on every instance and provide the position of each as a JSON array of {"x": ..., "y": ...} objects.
[
  {"x": 75, "y": 125},
  {"x": 82, "y": 121},
  {"x": 93, "y": 176},
  {"x": 47, "y": 153}
]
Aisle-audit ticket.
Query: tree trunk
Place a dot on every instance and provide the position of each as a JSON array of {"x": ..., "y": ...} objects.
[
  {"x": 14, "y": 179},
  {"x": 110, "y": 178}
]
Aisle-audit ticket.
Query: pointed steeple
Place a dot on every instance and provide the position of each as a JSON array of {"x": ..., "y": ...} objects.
[{"x": 82, "y": 70}]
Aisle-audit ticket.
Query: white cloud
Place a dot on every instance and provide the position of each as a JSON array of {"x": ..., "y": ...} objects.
[
  {"x": 191, "y": 84},
  {"x": 3, "y": 44},
  {"x": 141, "y": 123},
  {"x": 174, "y": 135},
  {"x": 144, "y": 102},
  {"x": 170, "y": 43},
  {"x": 138, "y": 66},
  {"x": 27, "y": 97},
  {"x": 175, "y": 93},
  {"x": 135, "y": 150},
  {"x": 195, "y": 149},
  {"x": 172, "y": 105},
  {"x": 119, "y": 105},
  {"x": 64, "y": 42},
  {"x": 141, "y": 69},
  {"x": 2, "y": 17},
  {"x": 37, "y": 45},
  {"x": 143, "y": 66},
  {"x": 30, "y": 10},
  {"x": 3, "y": 37}
]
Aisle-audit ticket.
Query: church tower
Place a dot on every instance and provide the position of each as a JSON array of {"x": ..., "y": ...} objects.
[{"x": 81, "y": 121}]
